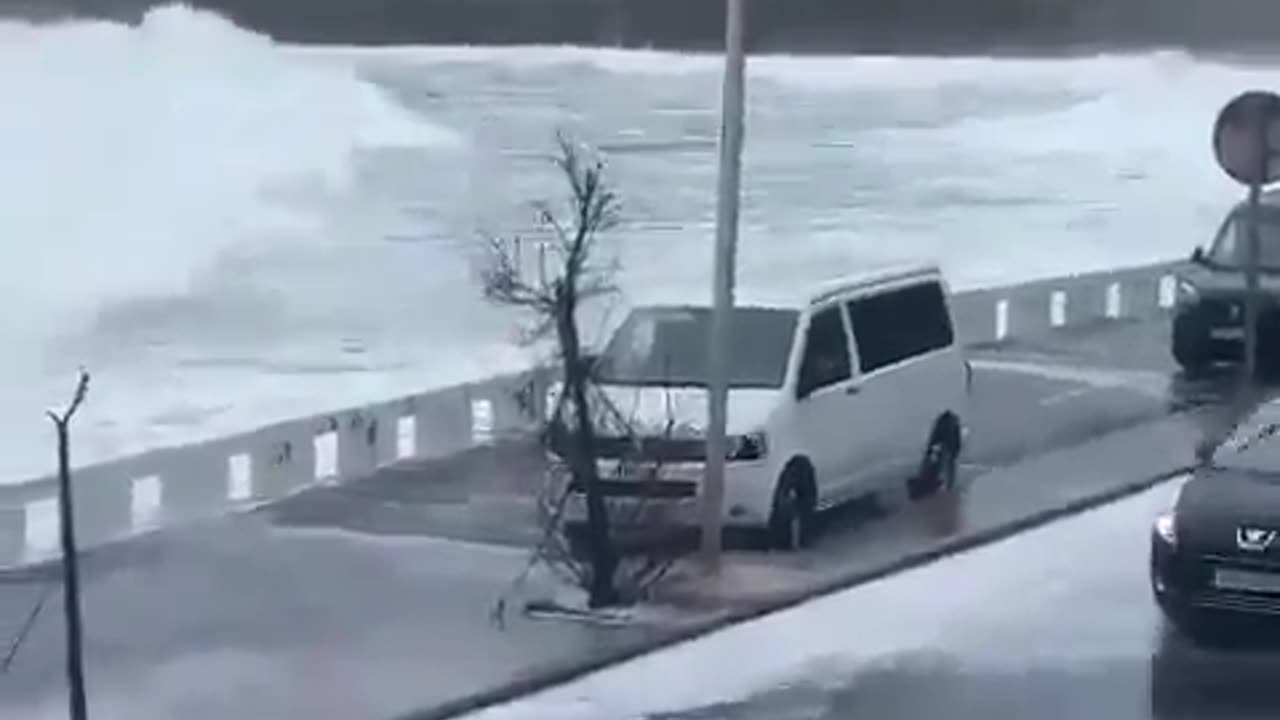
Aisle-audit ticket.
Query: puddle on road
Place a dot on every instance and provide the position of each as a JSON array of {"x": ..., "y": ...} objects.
[{"x": 940, "y": 516}]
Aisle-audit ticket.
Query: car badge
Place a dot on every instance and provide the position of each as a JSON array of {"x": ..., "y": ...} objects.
[
  {"x": 1254, "y": 539},
  {"x": 1235, "y": 311}
]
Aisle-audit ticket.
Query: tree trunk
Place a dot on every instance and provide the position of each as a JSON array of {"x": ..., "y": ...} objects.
[{"x": 582, "y": 459}]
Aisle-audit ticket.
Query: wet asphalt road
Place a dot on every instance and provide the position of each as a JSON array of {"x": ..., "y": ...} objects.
[{"x": 1055, "y": 623}]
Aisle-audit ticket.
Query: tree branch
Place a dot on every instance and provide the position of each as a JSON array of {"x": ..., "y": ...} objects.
[
  {"x": 503, "y": 281},
  {"x": 82, "y": 389},
  {"x": 547, "y": 218}
]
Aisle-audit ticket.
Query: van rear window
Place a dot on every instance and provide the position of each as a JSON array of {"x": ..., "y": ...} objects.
[{"x": 900, "y": 324}]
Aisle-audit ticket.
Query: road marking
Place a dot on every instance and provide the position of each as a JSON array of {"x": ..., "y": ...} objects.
[
  {"x": 1058, "y": 398},
  {"x": 400, "y": 541},
  {"x": 1149, "y": 382}
]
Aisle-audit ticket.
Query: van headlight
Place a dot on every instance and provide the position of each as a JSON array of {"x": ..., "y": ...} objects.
[{"x": 751, "y": 446}]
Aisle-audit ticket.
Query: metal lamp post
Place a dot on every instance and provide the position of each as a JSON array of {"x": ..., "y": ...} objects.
[{"x": 727, "y": 200}]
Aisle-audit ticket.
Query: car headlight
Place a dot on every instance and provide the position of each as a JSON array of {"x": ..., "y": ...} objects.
[
  {"x": 752, "y": 446},
  {"x": 1187, "y": 292},
  {"x": 1166, "y": 525}
]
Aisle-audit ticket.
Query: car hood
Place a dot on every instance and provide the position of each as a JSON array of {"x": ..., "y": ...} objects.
[
  {"x": 1224, "y": 282},
  {"x": 650, "y": 410},
  {"x": 1216, "y": 502}
]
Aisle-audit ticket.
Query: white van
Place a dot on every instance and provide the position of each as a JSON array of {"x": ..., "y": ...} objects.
[{"x": 860, "y": 387}]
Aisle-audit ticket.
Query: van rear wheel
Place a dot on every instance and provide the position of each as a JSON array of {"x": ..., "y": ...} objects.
[{"x": 937, "y": 469}]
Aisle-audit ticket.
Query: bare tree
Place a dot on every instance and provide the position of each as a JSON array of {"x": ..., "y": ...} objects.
[
  {"x": 555, "y": 295},
  {"x": 645, "y": 537},
  {"x": 70, "y": 565},
  {"x": 651, "y": 541}
]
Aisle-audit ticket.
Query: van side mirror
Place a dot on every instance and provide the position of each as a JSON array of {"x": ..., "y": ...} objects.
[{"x": 1197, "y": 255}]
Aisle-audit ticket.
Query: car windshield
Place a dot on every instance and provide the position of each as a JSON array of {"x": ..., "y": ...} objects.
[
  {"x": 1229, "y": 248},
  {"x": 668, "y": 346}
]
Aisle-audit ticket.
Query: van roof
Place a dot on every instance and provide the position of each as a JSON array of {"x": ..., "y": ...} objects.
[
  {"x": 810, "y": 294},
  {"x": 882, "y": 275}
]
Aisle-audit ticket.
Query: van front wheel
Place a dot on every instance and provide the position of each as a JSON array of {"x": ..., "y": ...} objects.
[{"x": 791, "y": 520}]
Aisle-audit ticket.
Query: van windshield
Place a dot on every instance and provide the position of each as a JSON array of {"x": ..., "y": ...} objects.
[
  {"x": 668, "y": 346},
  {"x": 1230, "y": 247}
]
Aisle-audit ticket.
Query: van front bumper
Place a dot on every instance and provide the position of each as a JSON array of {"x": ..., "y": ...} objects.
[{"x": 671, "y": 494}]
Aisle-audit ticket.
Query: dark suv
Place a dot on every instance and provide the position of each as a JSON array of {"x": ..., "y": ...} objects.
[{"x": 1208, "y": 320}]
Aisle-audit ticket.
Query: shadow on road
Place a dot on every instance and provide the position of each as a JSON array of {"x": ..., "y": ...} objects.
[{"x": 1239, "y": 678}]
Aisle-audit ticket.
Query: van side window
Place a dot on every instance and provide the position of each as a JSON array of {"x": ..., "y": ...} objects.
[
  {"x": 826, "y": 352},
  {"x": 901, "y": 324}
]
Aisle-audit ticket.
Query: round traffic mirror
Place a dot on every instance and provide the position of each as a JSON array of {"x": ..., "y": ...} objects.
[{"x": 1246, "y": 137}]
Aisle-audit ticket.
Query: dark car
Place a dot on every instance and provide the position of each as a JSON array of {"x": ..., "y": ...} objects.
[
  {"x": 1208, "y": 317},
  {"x": 1215, "y": 555}
]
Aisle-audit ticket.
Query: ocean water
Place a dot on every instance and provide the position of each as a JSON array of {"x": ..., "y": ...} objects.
[{"x": 228, "y": 231}]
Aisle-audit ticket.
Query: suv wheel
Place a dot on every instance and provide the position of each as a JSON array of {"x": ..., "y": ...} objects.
[
  {"x": 1269, "y": 344},
  {"x": 1191, "y": 341}
]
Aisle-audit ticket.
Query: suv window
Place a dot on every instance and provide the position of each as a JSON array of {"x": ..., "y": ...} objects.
[
  {"x": 826, "y": 358},
  {"x": 1229, "y": 247},
  {"x": 901, "y": 324}
]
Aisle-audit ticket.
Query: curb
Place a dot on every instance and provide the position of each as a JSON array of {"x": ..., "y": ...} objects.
[{"x": 566, "y": 672}]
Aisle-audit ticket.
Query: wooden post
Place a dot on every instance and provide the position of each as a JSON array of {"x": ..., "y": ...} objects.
[{"x": 70, "y": 565}]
